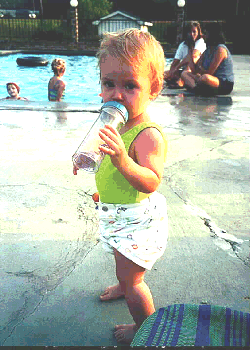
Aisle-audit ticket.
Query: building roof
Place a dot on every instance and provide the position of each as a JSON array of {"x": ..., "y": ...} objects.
[{"x": 123, "y": 14}]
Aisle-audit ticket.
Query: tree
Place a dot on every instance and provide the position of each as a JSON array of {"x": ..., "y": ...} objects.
[
  {"x": 94, "y": 9},
  {"x": 20, "y": 4},
  {"x": 11, "y": 4}
]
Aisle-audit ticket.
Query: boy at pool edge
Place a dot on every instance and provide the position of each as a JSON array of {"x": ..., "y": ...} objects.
[{"x": 132, "y": 215}]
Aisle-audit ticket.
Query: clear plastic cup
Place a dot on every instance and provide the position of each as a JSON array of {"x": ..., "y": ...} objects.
[{"x": 88, "y": 157}]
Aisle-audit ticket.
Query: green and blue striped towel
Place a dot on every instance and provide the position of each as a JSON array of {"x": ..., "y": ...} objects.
[{"x": 194, "y": 325}]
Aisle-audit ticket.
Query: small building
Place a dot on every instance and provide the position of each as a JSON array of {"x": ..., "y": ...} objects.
[{"x": 120, "y": 20}]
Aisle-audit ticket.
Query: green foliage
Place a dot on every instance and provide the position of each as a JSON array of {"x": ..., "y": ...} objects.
[
  {"x": 30, "y": 28},
  {"x": 94, "y": 9},
  {"x": 12, "y": 4},
  {"x": 164, "y": 31}
]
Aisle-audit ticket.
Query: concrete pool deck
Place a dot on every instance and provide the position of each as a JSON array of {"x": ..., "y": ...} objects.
[
  {"x": 49, "y": 51},
  {"x": 52, "y": 266}
]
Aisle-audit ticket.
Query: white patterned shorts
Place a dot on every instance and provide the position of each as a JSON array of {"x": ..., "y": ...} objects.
[{"x": 138, "y": 231}]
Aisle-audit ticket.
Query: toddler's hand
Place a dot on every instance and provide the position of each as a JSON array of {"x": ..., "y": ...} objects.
[{"x": 116, "y": 148}]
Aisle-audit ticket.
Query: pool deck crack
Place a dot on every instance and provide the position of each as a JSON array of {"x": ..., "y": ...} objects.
[
  {"x": 18, "y": 316},
  {"x": 231, "y": 243}
]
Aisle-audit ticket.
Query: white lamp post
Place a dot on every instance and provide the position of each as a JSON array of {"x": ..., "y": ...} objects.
[
  {"x": 74, "y": 3},
  {"x": 181, "y": 3},
  {"x": 180, "y": 20}
]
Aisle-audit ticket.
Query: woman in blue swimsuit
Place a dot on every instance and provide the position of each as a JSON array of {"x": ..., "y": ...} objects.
[
  {"x": 56, "y": 87},
  {"x": 213, "y": 73}
]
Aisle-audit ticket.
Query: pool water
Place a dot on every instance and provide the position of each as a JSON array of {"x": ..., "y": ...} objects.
[
  {"x": 81, "y": 78},
  {"x": 221, "y": 115}
]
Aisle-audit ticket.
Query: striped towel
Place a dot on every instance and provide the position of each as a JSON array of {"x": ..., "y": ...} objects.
[{"x": 194, "y": 325}]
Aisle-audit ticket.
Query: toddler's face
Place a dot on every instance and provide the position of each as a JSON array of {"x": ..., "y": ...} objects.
[
  {"x": 12, "y": 90},
  {"x": 121, "y": 83}
]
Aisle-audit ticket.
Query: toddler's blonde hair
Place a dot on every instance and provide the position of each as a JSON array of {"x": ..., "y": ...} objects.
[
  {"x": 139, "y": 49},
  {"x": 58, "y": 66}
]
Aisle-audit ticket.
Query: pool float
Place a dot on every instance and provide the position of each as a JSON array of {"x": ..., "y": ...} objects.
[{"x": 32, "y": 61}]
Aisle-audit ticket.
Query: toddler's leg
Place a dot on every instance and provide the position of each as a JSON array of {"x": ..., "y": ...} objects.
[
  {"x": 112, "y": 292},
  {"x": 137, "y": 295}
]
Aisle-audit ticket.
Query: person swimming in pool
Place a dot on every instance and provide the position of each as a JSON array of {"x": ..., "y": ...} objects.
[
  {"x": 56, "y": 86},
  {"x": 13, "y": 91}
]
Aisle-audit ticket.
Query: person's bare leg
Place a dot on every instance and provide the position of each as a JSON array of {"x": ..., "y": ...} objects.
[
  {"x": 189, "y": 79},
  {"x": 137, "y": 294},
  {"x": 180, "y": 82},
  {"x": 112, "y": 292},
  {"x": 167, "y": 74},
  {"x": 173, "y": 78},
  {"x": 210, "y": 80},
  {"x": 192, "y": 80}
]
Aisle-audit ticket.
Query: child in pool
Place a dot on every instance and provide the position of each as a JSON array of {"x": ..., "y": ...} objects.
[
  {"x": 133, "y": 217},
  {"x": 13, "y": 91},
  {"x": 56, "y": 87}
]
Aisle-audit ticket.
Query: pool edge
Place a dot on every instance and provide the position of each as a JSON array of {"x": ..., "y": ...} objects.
[{"x": 62, "y": 52}]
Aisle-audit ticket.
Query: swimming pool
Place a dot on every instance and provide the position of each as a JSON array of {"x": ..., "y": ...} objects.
[
  {"x": 81, "y": 100},
  {"x": 81, "y": 77},
  {"x": 173, "y": 109}
]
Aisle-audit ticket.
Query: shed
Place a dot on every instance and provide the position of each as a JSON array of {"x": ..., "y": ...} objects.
[{"x": 119, "y": 20}]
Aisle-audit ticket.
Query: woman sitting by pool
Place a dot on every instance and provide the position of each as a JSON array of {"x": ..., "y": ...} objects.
[
  {"x": 56, "y": 87},
  {"x": 188, "y": 51},
  {"x": 213, "y": 73},
  {"x": 13, "y": 91}
]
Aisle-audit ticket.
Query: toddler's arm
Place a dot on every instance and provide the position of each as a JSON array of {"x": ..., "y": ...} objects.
[{"x": 144, "y": 169}]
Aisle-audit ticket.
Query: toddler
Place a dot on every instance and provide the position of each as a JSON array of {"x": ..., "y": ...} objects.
[{"x": 133, "y": 216}]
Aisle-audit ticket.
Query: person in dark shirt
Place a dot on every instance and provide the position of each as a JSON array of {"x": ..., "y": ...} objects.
[{"x": 213, "y": 73}]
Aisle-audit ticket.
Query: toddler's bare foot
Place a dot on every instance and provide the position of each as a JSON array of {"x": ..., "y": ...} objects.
[
  {"x": 111, "y": 293},
  {"x": 125, "y": 333}
]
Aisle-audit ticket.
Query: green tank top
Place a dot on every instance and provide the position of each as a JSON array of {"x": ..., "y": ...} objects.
[{"x": 111, "y": 184}]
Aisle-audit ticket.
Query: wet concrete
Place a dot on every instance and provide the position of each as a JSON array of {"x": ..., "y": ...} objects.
[{"x": 52, "y": 266}]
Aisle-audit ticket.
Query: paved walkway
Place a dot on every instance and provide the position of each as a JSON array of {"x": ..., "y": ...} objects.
[{"x": 52, "y": 266}]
